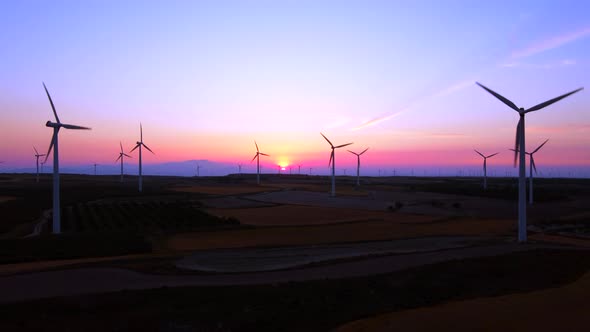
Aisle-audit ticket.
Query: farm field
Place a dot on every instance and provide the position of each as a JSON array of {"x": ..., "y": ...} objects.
[{"x": 107, "y": 224}]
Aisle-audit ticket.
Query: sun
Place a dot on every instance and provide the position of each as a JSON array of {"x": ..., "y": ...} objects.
[{"x": 283, "y": 169}]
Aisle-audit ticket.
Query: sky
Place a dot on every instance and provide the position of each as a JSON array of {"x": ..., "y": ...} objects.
[{"x": 208, "y": 78}]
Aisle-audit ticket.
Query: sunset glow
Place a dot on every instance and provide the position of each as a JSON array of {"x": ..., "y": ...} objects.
[{"x": 206, "y": 79}]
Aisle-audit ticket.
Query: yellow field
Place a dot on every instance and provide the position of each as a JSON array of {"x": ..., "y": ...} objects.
[
  {"x": 390, "y": 227},
  {"x": 291, "y": 215},
  {"x": 224, "y": 189}
]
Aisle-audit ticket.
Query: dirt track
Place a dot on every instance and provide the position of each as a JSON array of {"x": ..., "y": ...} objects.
[{"x": 99, "y": 280}]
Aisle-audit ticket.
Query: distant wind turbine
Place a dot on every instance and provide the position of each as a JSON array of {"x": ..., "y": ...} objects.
[
  {"x": 240, "y": 169},
  {"x": 485, "y": 168},
  {"x": 37, "y": 155},
  {"x": 95, "y": 164},
  {"x": 121, "y": 156},
  {"x": 198, "y": 170},
  {"x": 299, "y": 168},
  {"x": 139, "y": 145},
  {"x": 257, "y": 157},
  {"x": 333, "y": 163},
  {"x": 520, "y": 142},
  {"x": 358, "y": 165},
  {"x": 532, "y": 167},
  {"x": 54, "y": 145}
]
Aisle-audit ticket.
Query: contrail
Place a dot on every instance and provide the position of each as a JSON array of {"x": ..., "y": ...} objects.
[{"x": 550, "y": 43}]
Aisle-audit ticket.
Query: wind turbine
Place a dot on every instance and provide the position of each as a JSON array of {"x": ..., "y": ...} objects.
[
  {"x": 198, "y": 170},
  {"x": 121, "y": 156},
  {"x": 532, "y": 167},
  {"x": 485, "y": 168},
  {"x": 333, "y": 163},
  {"x": 240, "y": 169},
  {"x": 257, "y": 157},
  {"x": 95, "y": 164},
  {"x": 358, "y": 165},
  {"x": 54, "y": 145},
  {"x": 37, "y": 155},
  {"x": 299, "y": 168},
  {"x": 520, "y": 142},
  {"x": 139, "y": 145}
]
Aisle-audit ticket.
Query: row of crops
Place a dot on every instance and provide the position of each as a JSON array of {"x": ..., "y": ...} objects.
[{"x": 138, "y": 216}]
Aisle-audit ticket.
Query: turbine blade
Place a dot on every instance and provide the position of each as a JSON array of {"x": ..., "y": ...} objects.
[
  {"x": 364, "y": 151},
  {"x": 121, "y": 144},
  {"x": 126, "y": 155},
  {"x": 549, "y": 102},
  {"x": 145, "y": 146},
  {"x": 332, "y": 145},
  {"x": 490, "y": 156},
  {"x": 118, "y": 158},
  {"x": 341, "y": 146},
  {"x": 51, "y": 144},
  {"x": 517, "y": 142},
  {"x": 256, "y": 155},
  {"x": 140, "y": 133},
  {"x": 479, "y": 153},
  {"x": 36, "y": 152},
  {"x": 69, "y": 126},
  {"x": 51, "y": 102},
  {"x": 540, "y": 146},
  {"x": 354, "y": 153},
  {"x": 256, "y": 146},
  {"x": 264, "y": 154},
  {"x": 136, "y": 146},
  {"x": 331, "y": 158},
  {"x": 497, "y": 95},
  {"x": 533, "y": 164}
]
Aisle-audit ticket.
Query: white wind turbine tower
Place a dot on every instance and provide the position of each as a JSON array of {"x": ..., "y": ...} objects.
[
  {"x": 520, "y": 142},
  {"x": 257, "y": 157},
  {"x": 485, "y": 168},
  {"x": 54, "y": 145},
  {"x": 240, "y": 169},
  {"x": 139, "y": 145},
  {"x": 121, "y": 156},
  {"x": 532, "y": 167},
  {"x": 37, "y": 155},
  {"x": 333, "y": 163},
  {"x": 358, "y": 165}
]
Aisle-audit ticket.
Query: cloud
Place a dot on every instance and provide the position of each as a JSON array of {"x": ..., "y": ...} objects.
[
  {"x": 550, "y": 65},
  {"x": 377, "y": 120},
  {"x": 447, "y": 135},
  {"x": 551, "y": 43},
  {"x": 568, "y": 62},
  {"x": 337, "y": 123},
  {"x": 441, "y": 93},
  {"x": 584, "y": 127}
]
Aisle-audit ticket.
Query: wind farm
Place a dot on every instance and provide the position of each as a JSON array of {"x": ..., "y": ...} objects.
[{"x": 422, "y": 224}]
